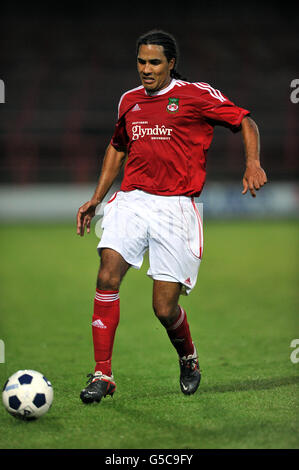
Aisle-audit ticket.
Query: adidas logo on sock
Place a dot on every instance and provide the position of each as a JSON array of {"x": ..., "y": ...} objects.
[{"x": 98, "y": 324}]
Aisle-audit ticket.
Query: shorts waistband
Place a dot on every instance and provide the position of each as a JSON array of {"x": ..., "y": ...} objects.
[{"x": 156, "y": 196}]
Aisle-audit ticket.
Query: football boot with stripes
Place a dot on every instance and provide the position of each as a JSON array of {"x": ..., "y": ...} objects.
[
  {"x": 99, "y": 385},
  {"x": 190, "y": 373}
]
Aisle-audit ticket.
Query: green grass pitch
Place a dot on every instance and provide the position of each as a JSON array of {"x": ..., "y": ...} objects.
[{"x": 242, "y": 314}]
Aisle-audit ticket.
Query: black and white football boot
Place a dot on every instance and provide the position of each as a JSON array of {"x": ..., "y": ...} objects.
[
  {"x": 99, "y": 386},
  {"x": 190, "y": 373}
]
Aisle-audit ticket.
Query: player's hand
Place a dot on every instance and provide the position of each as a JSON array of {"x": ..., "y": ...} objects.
[
  {"x": 254, "y": 178},
  {"x": 84, "y": 216}
]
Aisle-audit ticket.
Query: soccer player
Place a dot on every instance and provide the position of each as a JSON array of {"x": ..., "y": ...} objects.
[{"x": 164, "y": 130}]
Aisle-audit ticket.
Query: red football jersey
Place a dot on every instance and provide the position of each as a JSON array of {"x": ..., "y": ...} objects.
[{"x": 167, "y": 135}]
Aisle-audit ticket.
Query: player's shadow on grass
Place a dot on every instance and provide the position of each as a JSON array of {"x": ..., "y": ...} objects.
[{"x": 258, "y": 384}]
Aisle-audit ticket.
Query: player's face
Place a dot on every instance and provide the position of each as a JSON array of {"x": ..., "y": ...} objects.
[{"x": 153, "y": 67}]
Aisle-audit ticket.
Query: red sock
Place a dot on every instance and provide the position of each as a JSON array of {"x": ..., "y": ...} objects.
[
  {"x": 105, "y": 320},
  {"x": 179, "y": 335}
]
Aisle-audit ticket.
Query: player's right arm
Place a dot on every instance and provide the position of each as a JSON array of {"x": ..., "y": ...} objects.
[{"x": 112, "y": 164}]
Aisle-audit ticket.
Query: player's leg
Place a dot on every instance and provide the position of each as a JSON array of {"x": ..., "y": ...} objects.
[
  {"x": 123, "y": 244},
  {"x": 105, "y": 320},
  {"x": 173, "y": 317},
  {"x": 106, "y": 312},
  {"x": 165, "y": 301},
  {"x": 175, "y": 249},
  {"x": 112, "y": 269}
]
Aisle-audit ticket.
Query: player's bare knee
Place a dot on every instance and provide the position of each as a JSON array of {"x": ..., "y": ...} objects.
[
  {"x": 166, "y": 313},
  {"x": 107, "y": 280}
]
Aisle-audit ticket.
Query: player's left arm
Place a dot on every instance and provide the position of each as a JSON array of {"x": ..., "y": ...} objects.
[{"x": 254, "y": 177}]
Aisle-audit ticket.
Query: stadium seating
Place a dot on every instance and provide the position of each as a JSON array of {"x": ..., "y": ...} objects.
[{"x": 64, "y": 76}]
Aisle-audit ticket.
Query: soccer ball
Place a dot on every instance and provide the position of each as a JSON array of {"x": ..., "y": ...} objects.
[{"x": 27, "y": 394}]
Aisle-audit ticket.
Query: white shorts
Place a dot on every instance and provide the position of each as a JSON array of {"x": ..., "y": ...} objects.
[{"x": 170, "y": 227}]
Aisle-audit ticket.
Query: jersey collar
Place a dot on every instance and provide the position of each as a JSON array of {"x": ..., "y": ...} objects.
[{"x": 164, "y": 90}]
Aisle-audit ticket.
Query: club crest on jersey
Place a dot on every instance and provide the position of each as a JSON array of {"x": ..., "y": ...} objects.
[{"x": 173, "y": 105}]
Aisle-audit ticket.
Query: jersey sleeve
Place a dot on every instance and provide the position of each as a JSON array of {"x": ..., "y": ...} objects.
[
  {"x": 120, "y": 138},
  {"x": 218, "y": 109}
]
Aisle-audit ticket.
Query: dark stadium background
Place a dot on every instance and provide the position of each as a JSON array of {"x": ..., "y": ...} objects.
[{"x": 65, "y": 67}]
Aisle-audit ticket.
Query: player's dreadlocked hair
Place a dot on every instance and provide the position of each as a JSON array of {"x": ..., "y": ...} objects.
[{"x": 161, "y": 38}]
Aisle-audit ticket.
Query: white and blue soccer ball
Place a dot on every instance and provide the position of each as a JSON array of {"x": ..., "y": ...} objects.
[{"x": 27, "y": 394}]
